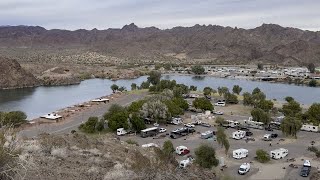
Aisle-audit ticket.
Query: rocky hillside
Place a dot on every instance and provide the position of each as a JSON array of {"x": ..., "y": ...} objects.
[
  {"x": 14, "y": 76},
  {"x": 81, "y": 157},
  {"x": 268, "y": 43}
]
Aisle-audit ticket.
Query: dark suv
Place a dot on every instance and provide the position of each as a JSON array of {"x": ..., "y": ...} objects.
[{"x": 305, "y": 171}]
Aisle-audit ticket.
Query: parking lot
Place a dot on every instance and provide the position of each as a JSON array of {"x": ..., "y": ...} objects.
[{"x": 275, "y": 169}]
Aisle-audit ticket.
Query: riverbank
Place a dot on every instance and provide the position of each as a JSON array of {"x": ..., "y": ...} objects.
[{"x": 73, "y": 116}]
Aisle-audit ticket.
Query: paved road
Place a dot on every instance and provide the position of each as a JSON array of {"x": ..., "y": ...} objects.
[{"x": 72, "y": 124}]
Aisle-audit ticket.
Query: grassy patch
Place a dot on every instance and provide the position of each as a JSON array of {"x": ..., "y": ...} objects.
[{"x": 140, "y": 91}]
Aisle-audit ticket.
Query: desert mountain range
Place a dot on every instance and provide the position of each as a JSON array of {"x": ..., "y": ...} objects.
[{"x": 268, "y": 43}]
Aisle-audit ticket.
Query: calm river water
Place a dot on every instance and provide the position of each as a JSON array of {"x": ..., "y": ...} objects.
[{"x": 41, "y": 100}]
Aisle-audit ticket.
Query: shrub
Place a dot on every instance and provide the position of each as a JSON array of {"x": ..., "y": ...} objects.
[
  {"x": 168, "y": 148},
  {"x": 90, "y": 125},
  {"x": 262, "y": 156},
  {"x": 130, "y": 141},
  {"x": 202, "y": 103},
  {"x": 206, "y": 156}
]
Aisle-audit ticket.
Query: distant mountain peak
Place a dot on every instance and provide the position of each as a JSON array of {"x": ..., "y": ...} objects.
[{"x": 130, "y": 27}]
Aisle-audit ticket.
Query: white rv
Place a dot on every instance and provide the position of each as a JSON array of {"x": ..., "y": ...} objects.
[
  {"x": 233, "y": 124},
  {"x": 310, "y": 128},
  {"x": 244, "y": 168},
  {"x": 121, "y": 132},
  {"x": 253, "y": 124},
  {"x": 238, "y": 134},
  {"x": 240, "y": 153},
  {"x": 279, "y": 153}
]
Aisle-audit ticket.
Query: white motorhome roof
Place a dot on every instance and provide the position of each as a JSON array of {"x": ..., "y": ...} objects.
[{"x": 149, "y": 129}]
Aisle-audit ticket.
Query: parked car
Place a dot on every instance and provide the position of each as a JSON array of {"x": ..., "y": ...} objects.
[
  {"x": 205, "y": 124},
  {"x": 182, "y": 150},
  {"x": 162, "y": 130},
  {"x": 220, "y": 104},
  {"x": 244, "y": 168},
  {"x": 249, "y": 133},
  {"x": 189, "y": 125},
  {"x": 218, "y": 112},
  {"x": 274, "y": 135}
]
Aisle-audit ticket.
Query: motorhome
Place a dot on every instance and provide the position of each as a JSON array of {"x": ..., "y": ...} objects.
[
  {"x": 279, "y": 153},
  {"x": 240, "y": 153},
  {"x": 149, "y": 132},
  {"x": 207, "y": 135},
  {"x": 182, "y": 150},
  {"x": 253, "y": 124},
  {"x": 310, "y": 128},
  {"x": 238, "y": 134},
  {"x": 121, "y": 132}
]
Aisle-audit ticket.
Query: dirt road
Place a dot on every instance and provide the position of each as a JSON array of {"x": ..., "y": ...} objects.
[{"x": 75, "y": 121}]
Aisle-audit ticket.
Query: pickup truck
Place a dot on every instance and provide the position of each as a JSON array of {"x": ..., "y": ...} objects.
[
  {"x": 305, "y": 171},
  {"x": 244, "y": 168}
]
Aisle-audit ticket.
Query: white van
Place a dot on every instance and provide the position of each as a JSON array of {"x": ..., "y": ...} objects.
[
  {"x": 240, "y": 153},
  {"x": 220, "y": 104},
  {"x": 279, "y": 153},
  {"x": 121, "y": 132},
  {"x": 244, "y": 168}
]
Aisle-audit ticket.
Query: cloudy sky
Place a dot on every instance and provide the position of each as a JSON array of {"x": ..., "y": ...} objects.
[{"x": 103, "y": 14}]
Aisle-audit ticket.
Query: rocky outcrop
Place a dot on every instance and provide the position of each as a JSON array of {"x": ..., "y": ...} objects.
[
  {"x": 58, "y": 76},
  {"x": 14, "y": 76}
]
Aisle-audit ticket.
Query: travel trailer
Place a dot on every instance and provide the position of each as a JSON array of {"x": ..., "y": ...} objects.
[
  {"x": 310, "y": 128},
  {"x": 121, "y": 132},
  {"x": 207, "y": 135},
  {"x": 253, "y": 124},
  {"x": 238, "y": 134},
  {"x": 230, "y": 123},
  {"x": 279, "y": 153},
  {"x": 149, "y": 132},
  {"x": 240, "y": 153},
  {"x": 182, "y": 150}
]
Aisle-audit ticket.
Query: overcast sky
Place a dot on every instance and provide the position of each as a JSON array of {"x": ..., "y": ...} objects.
[{"x": 103, "y": 14}]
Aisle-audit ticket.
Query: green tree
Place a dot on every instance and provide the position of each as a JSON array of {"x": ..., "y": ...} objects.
[
  {"x": 265, "y": 105},
  {"x": 223, "y": 90},
  {"x": 180, "y": 89},
  {"x": 193, "y": 88},
  {"x": 313, "y": 83},
  {"x": 156, "y": 110},
  {"x": 207, "y": 91},
  {"x": 262, "y": 156},
  {"x": 236, "y": 89},
  {"x": 136, "y": 106},
  {"x": 289, "y": 98},
  {"x": 260, "y": 116},
  {"x": 206, "y": 156},
  {"x": 291, "y": 125},
  {"x": 114, "y": 88},
  {"x": 154, "y": 77},
  {"x": 220, "y": 121},
  {"x": 247, "y": 99},
  {"x": 260, "y": 66},
  {"x": 231, "y": 98},
  {"x": 180, "y": 102},
  {"x": 145, "y": 85},
  {"x": 222, "y": 139},
  {"x": 197, "y": 69},
  {"x": 203, "y": 103},
  {"x": 256, "y": 91},
  {"x": 168, "y": 148},
  {"x": 313, "y": 114},
  {"x": 173, "y": 109},
  {"x": 118, "y": 120},
  {"x": 291, "y": 108},
  {"x": 311, "y": 67},
  {"x": 133, "y": 86},
  {"x": 137, "y": 122},
  {"x": 114, "y": 109},
  {"x": 90, "y": 125},
  {"x": 122, "y": 88},
  {"x": 13, "y": 118}
]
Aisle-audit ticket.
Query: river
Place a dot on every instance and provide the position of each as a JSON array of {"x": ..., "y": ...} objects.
[{"x": 41, "y": 100}]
